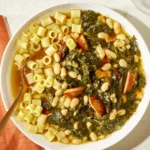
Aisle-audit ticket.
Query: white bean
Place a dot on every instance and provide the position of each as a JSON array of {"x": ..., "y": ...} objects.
[
  {"x": 64, "y": 85},
  {"x": 109, "y": 22},
  {"x": 88, "y": 124},
  {"x": 102, "y": 35},
  {"x": 76, "y": 125},
  {"x": 76, "y": 141},
  {"x": 63, "y": 72},
  {"x": 86, "y": 99},
  {"x": 69, "y": 63},
  {"x": 119, "y": 43},
  {"x": 113, "y": 98},
  {"x": 56, "y": 57},
  {"x": 128, "y": 46},
  {"x": 93, "y": 136},
  {"x": 101, "y": 137},
  {"x": 58, "y": 92},
  {"x": 85, "y": 139},
  {"x": 106, "y": 67},
  {"x": 121, "y": 37},
  {"x": 62, "y": 99},
  {"x": 101, "y": 18},
  {"x": 79, "y": 77},
  {"x": 117, "y": 31},
  {"x": 74, "y": 64},
  {"x": 105, "y": 86},
  {"x": 123, "y": 63},
  {"x": 55, "y": 101},
  {"x": 117, "y": 26},
  {"x": 113, "y": 114},
  {"x": 57, "y": 68},
  {"x": 67, "y": 132},
  {"x": 115, "y": 65},
  {"x": 65, "y": 140},
  {"x": 64, "y": 112},
  {"x": 64, "y": 63},
  {"x": 121, "y": 112},
  {"x": 72, "y": 74},
  {"x": 74, "y": 102},
  {"x": 110, "y": 53},
  {"x": 71, "y": 137},
  {"x": 67, "y": 102},
  {"x": 100, "y": 51}
]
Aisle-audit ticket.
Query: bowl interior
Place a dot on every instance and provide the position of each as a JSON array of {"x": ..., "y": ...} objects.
[{"x": 116, "y": 136}]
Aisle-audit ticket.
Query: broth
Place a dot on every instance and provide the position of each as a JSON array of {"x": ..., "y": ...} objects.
[
  {"x": 15, "y": 78},
  {"x": 15, "y": 81}
]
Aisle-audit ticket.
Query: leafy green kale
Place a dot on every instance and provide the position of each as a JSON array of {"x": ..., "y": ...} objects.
[{"x": 88, "y": 19}]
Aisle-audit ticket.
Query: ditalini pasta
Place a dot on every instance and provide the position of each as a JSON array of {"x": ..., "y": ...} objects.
[
  {"x": 69, "y": 22},
  {"x": 30, "y": 78},
  {"x": 45, "y": 42},
  {"x": 82, "y": 72},
  {"x": 45, "y": 21},
  {"x": 65, "y": 29},
  {"x": 38, "y": 88},
  {"x": 47, "y": 60},
  {"x": 33, "y": 28},
  {"x": 49, "y": 81},
  {"x": 75, "y": 13},
  {"x": 38, "y": 71},
  {"x": 35, "y": 38},
  {"x": 22, "y": 106},
  {"x": 49, "y": 136},
  {"x": 40, "y": 63},
  {"x": 32, "y": 65},
  {"x": 22, "y": 51},
  {"x": 37, "y": 101},
  {"x": 55, "y": 41},
  {"x": 60, "y": 17},
  {"x": 41, "y": 128},
  {"x": 36, "y": 47},
  {"x": 34, "y": 120},
  {"x": 49, "y": 72},
  {"x": 27, "y": 98},
  {"x": 28, "y": 118},
  {"x": 42, "y": 119},
  {"x": 76, "y": 28},
  {"x": 38, "y": 77},
  {"x": 22, "y": 44},
  {"x": 21, "y": 115},
  {"x": 71, "y": 44},
  {"x": 19, "y": 59},
  {"x": 51, "y": 50},
  {"x": 30, "y": 108},
  {"x": 52, "y": 34},
  {"x": 41, "y": 31},
  {"x": 26, "y": 36},
  {"x": 37, "y": 111},
  {"x": 32, "y": 128}
]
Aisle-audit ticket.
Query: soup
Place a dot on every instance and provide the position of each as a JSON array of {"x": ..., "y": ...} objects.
[{"x": 84, "y": 75}]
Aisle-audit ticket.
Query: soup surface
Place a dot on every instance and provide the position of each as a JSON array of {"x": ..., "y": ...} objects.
[{"x": 84, "y": 75}]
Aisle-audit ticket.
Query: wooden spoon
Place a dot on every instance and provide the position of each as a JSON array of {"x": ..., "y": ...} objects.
[{"x": 5, "y": 119}]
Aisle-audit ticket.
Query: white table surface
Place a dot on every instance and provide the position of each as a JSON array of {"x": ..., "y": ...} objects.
[{"x": 18, "y": 11}]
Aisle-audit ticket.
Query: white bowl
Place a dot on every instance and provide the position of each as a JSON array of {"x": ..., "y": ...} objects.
[{"x": 116, "y": 136}]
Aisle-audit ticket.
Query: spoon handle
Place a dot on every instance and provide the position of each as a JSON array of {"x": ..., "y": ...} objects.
[{"x": 7, "y": 116}]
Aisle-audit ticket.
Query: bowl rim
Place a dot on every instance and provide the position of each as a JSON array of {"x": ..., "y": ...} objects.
[{"x": 45, "y": 10}]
